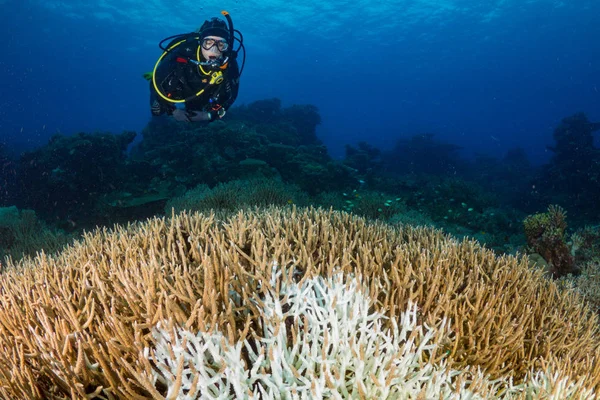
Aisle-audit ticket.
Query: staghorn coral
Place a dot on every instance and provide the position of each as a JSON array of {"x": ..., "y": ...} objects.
[
  {"x": 587, "y": 283},
  {"x": 321, "y": 340},
  {"x": 585, "y": 244},
  {"x": 81, "y": 324},
  {"x": 237, "y": 194},
  {"x": 22, "y": 234}
]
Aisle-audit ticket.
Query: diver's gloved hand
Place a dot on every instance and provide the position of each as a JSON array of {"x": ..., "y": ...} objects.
[
  {"x": 196, "y": 116},
  {"x": 181, "y": 115},
  {"x": 217, "y": 114},
  {"x": 155, "y": 108}
]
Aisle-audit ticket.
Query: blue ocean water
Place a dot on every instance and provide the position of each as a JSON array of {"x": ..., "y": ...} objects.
[{"x": 486, "y": 75}]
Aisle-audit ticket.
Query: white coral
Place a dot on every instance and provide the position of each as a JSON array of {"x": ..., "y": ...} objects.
[{"x": 320, "y": 340}]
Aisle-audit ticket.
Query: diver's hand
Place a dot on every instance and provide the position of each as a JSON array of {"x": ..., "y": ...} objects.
[
  {"x": 220, "y": 113},
  {"x": 196, "y": 116},
  {"x": 181, "y": 115},
  {"x": 214, "y": 115},
  {"x": 191, "y": 116},
  {"x": 155, "y": 108}
]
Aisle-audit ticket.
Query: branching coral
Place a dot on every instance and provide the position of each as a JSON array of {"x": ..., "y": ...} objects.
[
  {"x": 587, "y": 283},
  {"x": 22, "y": 234},
  {"x": 545, "y": 233},
  {"x": 321, "y": 339},
  {"x": 234, "y": 195},
  {"x": 80, "y": 324}
]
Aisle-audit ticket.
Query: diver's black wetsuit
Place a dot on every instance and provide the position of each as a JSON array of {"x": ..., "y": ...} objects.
[{"x": 180, "y": 77}]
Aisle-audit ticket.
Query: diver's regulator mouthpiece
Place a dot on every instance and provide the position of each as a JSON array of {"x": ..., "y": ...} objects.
[{"x": 218, "y": 63}]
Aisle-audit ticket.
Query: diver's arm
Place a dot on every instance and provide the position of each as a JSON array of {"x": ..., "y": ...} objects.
[
  {"x": 232, "y": 92},
  {"x": 193, "y": 116},
  {"x": 157, "y": 105},
  {"x": 158, "y": 108},
  {"x": 198, "y": 116}
]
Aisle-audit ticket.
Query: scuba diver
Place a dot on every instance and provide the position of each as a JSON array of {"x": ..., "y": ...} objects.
[{"x": 197, "y": 76}]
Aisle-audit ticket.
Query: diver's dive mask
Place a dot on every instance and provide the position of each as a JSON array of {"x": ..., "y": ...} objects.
[{"x": 208, "y": 43}]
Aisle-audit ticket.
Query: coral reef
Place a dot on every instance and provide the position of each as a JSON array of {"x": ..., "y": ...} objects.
[
  {"x": 295, "y": 125},
  {"x": 322, "y": 340},
  {"x": 235, "y": 195},
  {"x": 366, "y": 203},
  {"x": 89, "y": 180},
  {"x": 511, "y": 178},
  {"x": 22, "y": 234},
  {"x": 573, "y": 172},
  {"x": 546, "y": 236},
  {"x": 259, "y": 140},
  {"x": 92, "y": 321},
  {"x": 64, "y": 179},
  {"x": 85, "y": 180},
  {"x": 8, "y": 174},
  {"x": 587, "y": 283},
  {"x": 422, "y": 154},
  {"x": 319, "y": 341},
  {"x": 585, "y": 244},
  {"x": 365, "y": 160}
]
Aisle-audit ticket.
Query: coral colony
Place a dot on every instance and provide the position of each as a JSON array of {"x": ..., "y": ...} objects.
[
  {"x": 328, "y": 344},
  {"x": 289, "y": 303}
]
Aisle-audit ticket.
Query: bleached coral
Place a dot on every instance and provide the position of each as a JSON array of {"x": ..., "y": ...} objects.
[
  {"x": 555, "y": 386},
  {"x": 321, "y": 339}
]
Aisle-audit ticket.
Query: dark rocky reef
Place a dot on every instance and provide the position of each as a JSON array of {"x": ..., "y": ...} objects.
[
  {"x": 572, "y": 178},
  {"x": 91, "y": 179}
]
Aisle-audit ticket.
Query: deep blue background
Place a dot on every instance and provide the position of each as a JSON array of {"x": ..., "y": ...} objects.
[{"x": 487, "y": 85}]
